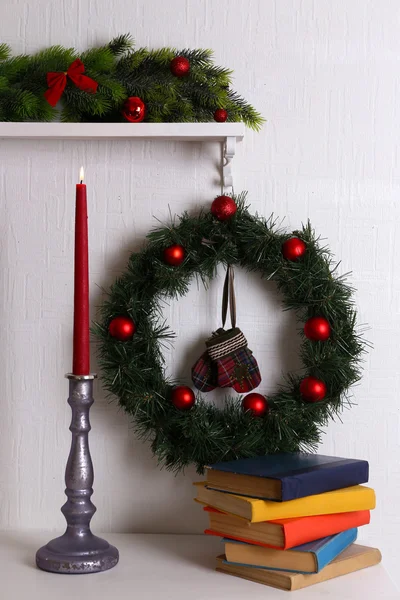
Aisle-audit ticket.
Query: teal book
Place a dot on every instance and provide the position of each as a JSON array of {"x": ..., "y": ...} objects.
[
  {"x": 288, "y": 476},
  {"x": 307, "y": 558}
]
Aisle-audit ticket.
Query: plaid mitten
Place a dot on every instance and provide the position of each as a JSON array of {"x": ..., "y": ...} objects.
[
  {"x": 204, "y": 373},
  {"x": 236, "y": 365}
]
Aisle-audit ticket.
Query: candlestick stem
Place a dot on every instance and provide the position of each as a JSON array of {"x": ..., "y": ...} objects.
[{"x": 78, "y": 550}]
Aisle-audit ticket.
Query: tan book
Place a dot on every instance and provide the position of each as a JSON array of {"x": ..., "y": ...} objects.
[{"x": 354, "y": 558}]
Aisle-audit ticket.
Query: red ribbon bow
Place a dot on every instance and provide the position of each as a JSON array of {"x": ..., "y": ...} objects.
[{"x": 58, "y": 81}]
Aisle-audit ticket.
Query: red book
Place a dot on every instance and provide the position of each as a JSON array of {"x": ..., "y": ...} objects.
[{"x": 283, "y": 533}]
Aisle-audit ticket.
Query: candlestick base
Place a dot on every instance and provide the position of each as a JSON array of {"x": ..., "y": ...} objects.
[
  {"x": 78, "y": 551},
  {"x": 72, "y": 553}
]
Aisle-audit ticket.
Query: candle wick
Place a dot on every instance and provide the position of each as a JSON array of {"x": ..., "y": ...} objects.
[{"x": 81, "y": 180}]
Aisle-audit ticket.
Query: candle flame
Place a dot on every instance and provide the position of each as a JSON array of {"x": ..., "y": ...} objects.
[{"x": 81, "y": 174}]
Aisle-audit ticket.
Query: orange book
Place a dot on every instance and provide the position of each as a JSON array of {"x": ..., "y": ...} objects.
[{"x": 283, "y": 533}]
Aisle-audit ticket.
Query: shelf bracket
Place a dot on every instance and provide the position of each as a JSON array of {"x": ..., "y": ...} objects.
[{"x": 228, "y": 154}]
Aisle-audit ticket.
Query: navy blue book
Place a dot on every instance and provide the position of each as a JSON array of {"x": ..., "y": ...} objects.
[
  {"x": 308, "y": 558},
  {"x": 288, "y": 476}
]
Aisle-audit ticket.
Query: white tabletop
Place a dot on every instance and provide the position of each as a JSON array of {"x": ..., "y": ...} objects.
[{"x": 164, "y": 567}]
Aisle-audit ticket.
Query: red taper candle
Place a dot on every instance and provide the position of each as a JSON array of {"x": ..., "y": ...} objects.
[{"x": 81, "y": 351}]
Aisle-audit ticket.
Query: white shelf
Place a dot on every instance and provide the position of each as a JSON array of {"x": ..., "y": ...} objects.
[
  {"x": 179, "y": 567},
  {"x": 189, "y": 132},
  {"x": 226, "y": 133}
]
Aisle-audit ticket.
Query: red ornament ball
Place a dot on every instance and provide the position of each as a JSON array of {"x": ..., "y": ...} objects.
[
  {"x": 293, "y": 248},
  {"x": 220, "y": 115},
  {"x": 312, "y": 389},
  {"x": 134, "y": 110},
  {"x": 122, "y": 328},
  {"x": 256, "y": 403},
  {"x": 182, "y": 397},
  {"x": 174, "y": 255},
  {"x": 179, "y": 66},
  {"x": 317, "y": 329},
  {"x": 223, "y": 208}
]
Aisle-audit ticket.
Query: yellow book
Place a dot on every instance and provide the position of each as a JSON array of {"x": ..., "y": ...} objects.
[{"x": 357, "y": 497}]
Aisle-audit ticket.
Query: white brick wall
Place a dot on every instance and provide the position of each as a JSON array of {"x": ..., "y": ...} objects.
[{"x": 325, "y": 75}]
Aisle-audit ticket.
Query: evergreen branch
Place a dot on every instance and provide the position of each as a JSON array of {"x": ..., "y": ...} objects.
[
  {"x": 121, "y": 44},
  {"x": 5, "y": 51},
  {"x": 98, "y": 60}
]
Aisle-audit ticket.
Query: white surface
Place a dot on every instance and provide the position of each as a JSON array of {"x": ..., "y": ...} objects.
[
  {"x": 325, "y": 76},
  {"x": 171, "y": 567},
  {"x": 229, "y": 133},
  {"x": 108, "y": 131}
]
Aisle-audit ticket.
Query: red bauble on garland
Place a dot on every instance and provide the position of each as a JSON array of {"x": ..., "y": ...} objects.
[
  {"x": 179, "y": 66},
  {"x": 174, "y": 255},
  {"x": 293, "y": 248},
  {"x": 317, "y": 329},
  {"x": 122, "y": 328},
  {"x": 134, "y": 109},
  {"x": 312, "y": 389},
  {"x": 182, "y": 397},
  {"x": 256, "y": 403},
  {"x": 220, "y": 115},
  {"x": 223, "y": 208}
]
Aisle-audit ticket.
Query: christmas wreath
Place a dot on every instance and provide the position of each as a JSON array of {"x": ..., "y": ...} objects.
[
  {"x": 118, "y": 82},
  {"x": 184, "y": 428}
]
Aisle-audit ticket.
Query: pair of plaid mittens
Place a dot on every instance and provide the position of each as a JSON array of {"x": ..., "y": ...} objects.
[{"x": 227, "y": 362}]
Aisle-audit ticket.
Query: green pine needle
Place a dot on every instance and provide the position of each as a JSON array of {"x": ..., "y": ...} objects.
[{"x": 5, "y": 51}]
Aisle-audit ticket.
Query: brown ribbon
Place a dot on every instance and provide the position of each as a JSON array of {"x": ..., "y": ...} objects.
[{"x": 228, "y": 297}]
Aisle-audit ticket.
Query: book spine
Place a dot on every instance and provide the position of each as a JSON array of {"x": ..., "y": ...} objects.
[
  {"x": 334, "y": 547},
  {"x": 328, "y": 479}
]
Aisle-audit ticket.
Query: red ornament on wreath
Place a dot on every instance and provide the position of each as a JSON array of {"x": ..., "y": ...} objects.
[
  {"x": 134, "y": 109},
  {"x": 122, "y": 328},
  {"x": 223, "y": 208},
  {"x": 317, "y": 329},
  {"x": 220, "y": 115},
  {"x": 180, "y": 66},
  {"x": 255, "y": 403},
  {"x": 174, "y": 255},
  {"x": 182, "y": 397},
  {"x": 312, "y": 389},
  {"x": 293, "y": 249}
]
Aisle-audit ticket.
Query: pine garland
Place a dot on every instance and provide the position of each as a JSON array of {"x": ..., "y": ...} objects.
[
  {"x": 133, "y": 370},
  {"x": 121, "y": 71}
]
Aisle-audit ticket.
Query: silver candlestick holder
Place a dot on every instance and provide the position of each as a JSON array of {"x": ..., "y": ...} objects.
[{"x": 78, "y": 550}]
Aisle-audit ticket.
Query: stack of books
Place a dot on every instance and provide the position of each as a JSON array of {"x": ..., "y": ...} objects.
[{"x": 289, "y": 520}]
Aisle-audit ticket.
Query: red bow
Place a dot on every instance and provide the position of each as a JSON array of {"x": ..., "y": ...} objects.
[{"x": 58, "y": 81}]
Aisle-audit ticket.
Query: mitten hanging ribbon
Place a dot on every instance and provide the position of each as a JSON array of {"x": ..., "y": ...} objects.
[
  {"x": 228, "y": 297},
  {"x": 58, "y": 81}
]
